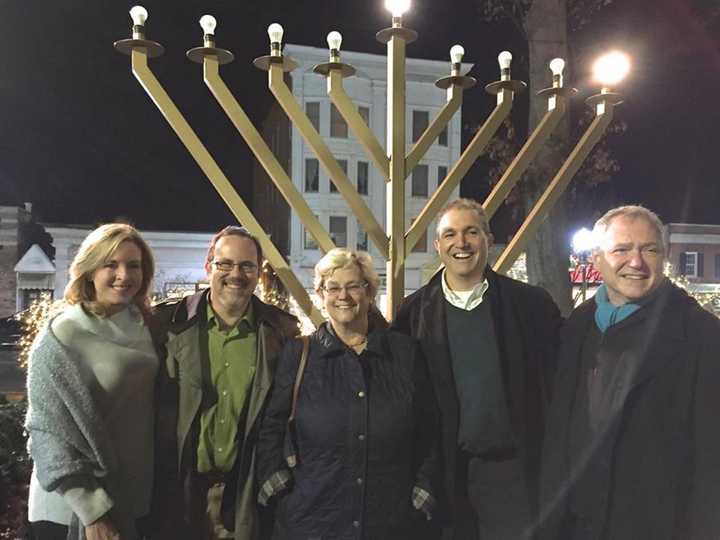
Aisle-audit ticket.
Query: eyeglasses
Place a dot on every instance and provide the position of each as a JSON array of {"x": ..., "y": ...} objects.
[
  {"x": 245, "y": 267},
  {"x": 353, "y": 289}
]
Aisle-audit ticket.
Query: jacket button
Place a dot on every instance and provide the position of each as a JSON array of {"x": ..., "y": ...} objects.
[
  {"x": 356, "y": 524},
  {"x": 359, "y": 481},
  {"x": 361, "y": 437},
  {"x": 361, "y": 394}
]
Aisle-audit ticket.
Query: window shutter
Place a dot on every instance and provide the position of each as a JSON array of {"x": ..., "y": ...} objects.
[
  {"x": 700, "y": 264},
  {"x": 683, "y": 263}
]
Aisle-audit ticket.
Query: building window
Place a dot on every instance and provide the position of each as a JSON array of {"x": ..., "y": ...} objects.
[
  {"x": 343, "y": 166},
  {"x": 419, "y": 186},
  {"x": 442, "y": 173},
  {"x": 365, "y": 113},
  {"x": 421, "y": 246},
  {"x": 338, "y": 230},
  {"x": 691, "y": 264},
  {"x": 362, "y": 177},
  {"x": 362, "y": 238},
  {"x": 308, "y": 240},
  {"x": 338, "y": 127},
  {"x": 717, "y": 266},
  {"x": 312, "y": 109},
  {"x": 312, "y": 176},
  {"x": 420, "y": 119},
  {"x": 442, "y": 138}
]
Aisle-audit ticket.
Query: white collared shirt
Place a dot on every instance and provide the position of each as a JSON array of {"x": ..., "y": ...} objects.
[{"x": 467, "y": 300}]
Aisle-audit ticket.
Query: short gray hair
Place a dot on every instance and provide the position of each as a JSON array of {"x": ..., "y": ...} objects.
[
  {"x": 632, "y": 211},
  {"x": 465, "y": 204},
  {"x": 342, "y": 258}
]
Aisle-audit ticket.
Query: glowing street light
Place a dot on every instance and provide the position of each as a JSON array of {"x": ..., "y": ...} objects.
[
  {"x": 610, "y": 69},
  {"x": 583, "y": 241}
]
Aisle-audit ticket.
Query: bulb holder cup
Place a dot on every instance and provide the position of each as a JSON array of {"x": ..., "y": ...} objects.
[
  {"x": 198, "y": 54},
  {"x": 494, "y": 88},
  {"x": 346, "y": 70},
  {"x": 565, "y": 91},
  {"x": 386, "y": 34},
  {"x": 264, "y": 62},
  {"x": 611, "y": 98},
  {"x": 462, "y": 81},
  {"x": 127, "y": 46}
]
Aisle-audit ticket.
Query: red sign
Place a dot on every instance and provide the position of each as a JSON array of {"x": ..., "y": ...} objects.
[{"x": 591, "y": 275}]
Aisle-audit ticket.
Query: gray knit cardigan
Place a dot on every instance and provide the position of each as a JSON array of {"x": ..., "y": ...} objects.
[{"x": 67, "y": 436}]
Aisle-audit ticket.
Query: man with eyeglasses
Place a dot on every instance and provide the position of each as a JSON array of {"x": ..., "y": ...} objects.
[{"x": 220, "y": 348}]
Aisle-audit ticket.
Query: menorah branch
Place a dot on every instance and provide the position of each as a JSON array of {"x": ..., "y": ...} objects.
[
  {"x": 220, "y": 182},
  {"x": 525, "y": 156},
  {"x": 288, "y": 103},
  {"x": 460, "y": 169},
  {"x": 218, "y": 88},
  {"x": 355, "y": 122},
  {"x": 432, "y": 132},
  {"x": 556, "y": 188}
]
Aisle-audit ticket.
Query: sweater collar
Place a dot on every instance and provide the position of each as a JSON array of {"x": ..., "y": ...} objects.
[
  {"x": 608, "y": 314},
  {"x": 463, "y": 300}
]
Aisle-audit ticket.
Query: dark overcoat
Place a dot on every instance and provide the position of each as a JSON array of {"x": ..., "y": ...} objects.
[
  {"x": 365, "y": 434},
  {"x": 650, "y": 468},
  {"x": 527, "y": 324},
  {"x": 184, "y": 390}
]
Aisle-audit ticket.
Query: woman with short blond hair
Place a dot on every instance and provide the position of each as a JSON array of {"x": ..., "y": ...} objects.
[
  {"x": 90, "y": 390},
  {"x": 359, "y": 458}
]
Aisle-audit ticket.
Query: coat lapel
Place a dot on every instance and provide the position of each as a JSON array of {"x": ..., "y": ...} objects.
[
  {"x": 432, "y": 327},
  {"x": 183, "y": 353},
  {"x": 268, "y": 351}
]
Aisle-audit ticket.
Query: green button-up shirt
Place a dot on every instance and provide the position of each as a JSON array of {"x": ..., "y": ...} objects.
[{"x": 233, "y": 355}]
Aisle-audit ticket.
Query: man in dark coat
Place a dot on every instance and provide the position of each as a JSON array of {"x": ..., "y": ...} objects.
[
  {"x": 633, "y": 444},
  {"x": 220, "y": 349},
  {"x": 489, "y": 342}
]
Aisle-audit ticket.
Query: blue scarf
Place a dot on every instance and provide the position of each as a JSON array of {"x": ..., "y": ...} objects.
[{"x": 607, "y": 314}]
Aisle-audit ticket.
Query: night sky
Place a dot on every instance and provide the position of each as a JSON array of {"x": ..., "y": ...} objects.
[{"x": 84, "y": 144}]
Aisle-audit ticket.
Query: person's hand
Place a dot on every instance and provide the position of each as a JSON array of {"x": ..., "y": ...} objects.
[{"x": 102, "y": 529}]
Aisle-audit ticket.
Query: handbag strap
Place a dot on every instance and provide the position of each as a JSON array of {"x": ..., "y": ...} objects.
[{"x": 299, "y": 376}]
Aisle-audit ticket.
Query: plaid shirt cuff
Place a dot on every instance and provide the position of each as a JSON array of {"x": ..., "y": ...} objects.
[
  {"x": 274, "y": 485},
  {"x": 423, "y": 501}
]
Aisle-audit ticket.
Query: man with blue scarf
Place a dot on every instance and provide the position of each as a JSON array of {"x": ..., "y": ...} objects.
[{"x": 632, "y": 449}]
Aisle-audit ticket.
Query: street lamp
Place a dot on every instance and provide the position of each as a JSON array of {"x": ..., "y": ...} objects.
[{"x": 582, "y": 244}]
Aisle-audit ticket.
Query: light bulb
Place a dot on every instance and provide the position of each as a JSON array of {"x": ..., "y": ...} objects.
[
  {"x": 397, "y": 7},
  {"x": 334, "y": 40},
  {"x": 456, "y": 54},
  {"x": 505, "y": 59},
  {"x": 557, "y": 65},
  {"x": 139, "y": 15},
  {"x": 611, "y": 68},
  {"x": 275, "y": 31},
  {"x": 208, "y": 23}
]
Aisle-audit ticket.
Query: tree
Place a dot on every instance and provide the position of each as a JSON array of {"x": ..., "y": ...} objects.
[{"x": 546, "y": 26}]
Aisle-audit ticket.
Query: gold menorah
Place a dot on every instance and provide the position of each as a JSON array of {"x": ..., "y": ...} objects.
[{"x": 393, "y": 164}]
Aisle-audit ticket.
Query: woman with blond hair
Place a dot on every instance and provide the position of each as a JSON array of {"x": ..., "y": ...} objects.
[
  {"x": 90, "y": 386},
  {"x": 348, "y": 444}
]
